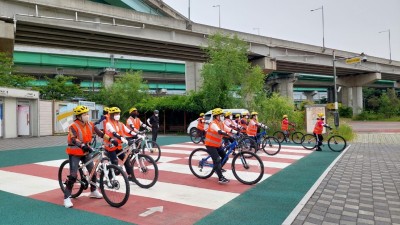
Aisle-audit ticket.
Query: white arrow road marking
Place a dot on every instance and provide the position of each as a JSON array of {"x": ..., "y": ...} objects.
[{"x": 152, "y": 210}]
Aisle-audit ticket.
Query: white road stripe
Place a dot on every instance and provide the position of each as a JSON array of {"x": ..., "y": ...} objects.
[
  {"x": 26, "y": 185},
  {"x": 188, "y": 195},
  {"x": 184, "y": 169},
  {"x": 52, "y": 163}
]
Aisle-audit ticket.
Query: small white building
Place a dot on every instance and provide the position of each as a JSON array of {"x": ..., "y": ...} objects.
[{"x": 19, "y": 113}]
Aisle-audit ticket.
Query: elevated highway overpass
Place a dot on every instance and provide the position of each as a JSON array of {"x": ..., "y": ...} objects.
[{"x": 90, "y": 26}]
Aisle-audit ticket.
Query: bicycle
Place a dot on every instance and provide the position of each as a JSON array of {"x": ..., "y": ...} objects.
[
  {"x": 112, "y": 180},
  {"x": 294, "y": 135},
  {"x": 336, "y": 142},
  {"x": 269, "y": 144},
  {"x": 247, "y": 167},
  {"x": 197, "y": 135},
  {"x": 148, "y": 147},
  {"x": 142, "y": 166}
]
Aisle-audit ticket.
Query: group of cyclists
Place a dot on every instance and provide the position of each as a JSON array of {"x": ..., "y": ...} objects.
[
  {"x": 114, "y": 133},
  {"x": 223, "y": 127}
]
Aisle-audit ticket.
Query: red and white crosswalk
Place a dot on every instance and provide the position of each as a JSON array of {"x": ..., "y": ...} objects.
[{"x": 177, "y": 197}]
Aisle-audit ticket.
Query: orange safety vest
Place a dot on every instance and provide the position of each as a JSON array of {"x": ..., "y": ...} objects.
[
  {"x": 135, "y": 121},
  {"x": 84, "y": 134},
  {"x": 213, "y": 139},
  {"x": 243, "y": 123},
  {"x": 285, "y": 124},
  {"x": 318, "y": 127},
  {"x": 118, "y": 127},
  {"x": 252, "y": 128},
  {"x": 200, "y": 123}
]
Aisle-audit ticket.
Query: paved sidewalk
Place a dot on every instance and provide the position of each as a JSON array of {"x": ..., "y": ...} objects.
[{"x": 362, "y": 188}]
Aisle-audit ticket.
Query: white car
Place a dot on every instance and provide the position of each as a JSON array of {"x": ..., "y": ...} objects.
[{"x": 208, "y": 118}]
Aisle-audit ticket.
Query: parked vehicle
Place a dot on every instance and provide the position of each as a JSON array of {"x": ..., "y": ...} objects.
[{"x": 208, "y": 118}]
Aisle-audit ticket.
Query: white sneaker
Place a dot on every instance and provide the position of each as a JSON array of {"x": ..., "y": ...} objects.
[
  {"x": 95, "y": 194},
  {"x": 68, "y": 203}
]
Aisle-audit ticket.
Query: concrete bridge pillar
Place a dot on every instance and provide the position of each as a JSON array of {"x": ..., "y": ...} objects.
[
  {"x": 7, "y": 37},
  {"x": 268, "y": 65},
  {"x": 347, "y": 96},
  {"x": 193, "y": 77},
  {"x": 309, "y": 95},
  {"x": 352, "y": 89},
  {"x": 283, "y": 84},
  {"x": 108, "y": 77}
]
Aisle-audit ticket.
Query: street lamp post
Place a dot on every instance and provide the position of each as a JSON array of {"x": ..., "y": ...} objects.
[
  {"x": 219, "y": 15},
  {"x": 390, "y": 48},
  {"x": 323, "y": 25},
  {"x": 189, "y": 10},
  {"x": 336, "y": 113}
]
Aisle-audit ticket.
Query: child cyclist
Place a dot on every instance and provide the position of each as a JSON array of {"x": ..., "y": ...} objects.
[
  {"x": 318, "y": 128},
  {"x": 213, "y": 142},
  {"x": 285, "y": 127},
  {"x": 79, "y": 136},
  {"x": 117, "y": 130}
]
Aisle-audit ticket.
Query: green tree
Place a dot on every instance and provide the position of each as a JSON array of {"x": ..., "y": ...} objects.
[
  {"x": 60, "y": 88},
  {"x": 8, "y": 75},
  {"x": 126, "y": 92},
  {"x": 229, "y": 79}
]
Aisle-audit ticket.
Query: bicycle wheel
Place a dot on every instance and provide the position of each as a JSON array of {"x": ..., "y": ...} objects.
[
  {"x": 280, "y": 136},
  {"x": 152, "y": 149},
  {"x": 271, "y": 145},
  {"x": 337, "y": 143},
  {"x": 195, "y": 135},
  {"x": 296, "y": 137},
  {"x": 63, "y": 173},
  {"x": 115, "y": 188},
  {"x": 309, "y": 141},
  {"x": 201, "y": 163},
  {"x": 246, "y": 170},
  {"x": 145, "y": 171},
  {"x": 247, "y": 144}
]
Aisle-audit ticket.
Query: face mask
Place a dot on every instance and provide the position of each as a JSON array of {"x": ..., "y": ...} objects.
[
  {"x": 116, "y": 117},
  {"x": 156, "y": 114},
  {"x": 221, "y": 117},
  {"x": 230, "y": 117},
  {"x": 85, "y": 118}
]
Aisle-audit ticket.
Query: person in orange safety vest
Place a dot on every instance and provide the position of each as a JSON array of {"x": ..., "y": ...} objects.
[
  {"x": 116, "y": 129},
  {"x": 79, "y": 136},
  {"x": 318, "y": 129},
  {"x": 213, "y": 142}
]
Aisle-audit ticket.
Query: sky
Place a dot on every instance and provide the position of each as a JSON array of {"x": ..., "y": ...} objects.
[{"x": 349, "y": 25}]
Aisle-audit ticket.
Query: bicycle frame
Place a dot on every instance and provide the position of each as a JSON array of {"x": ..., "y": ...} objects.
[
  {"x": 230, "y": 148},
  {"x": 98, "y": 165}
]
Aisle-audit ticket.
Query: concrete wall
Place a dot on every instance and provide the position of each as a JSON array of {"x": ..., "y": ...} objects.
[
  {"x": 6, "y": 37},
  {"x": 193, "y": 77}
]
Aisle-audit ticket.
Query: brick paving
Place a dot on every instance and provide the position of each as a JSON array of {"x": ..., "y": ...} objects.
[{"x": 362, "y": 188}]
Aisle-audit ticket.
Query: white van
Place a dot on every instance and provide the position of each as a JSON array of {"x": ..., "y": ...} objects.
[{"x": 208, "y": 117}]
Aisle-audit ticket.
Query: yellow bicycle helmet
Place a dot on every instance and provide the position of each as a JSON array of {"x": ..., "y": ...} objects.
[
  {"x": 320, "y": 115},
  {"x": 80, "y": 109},
  {"x": 105, "y": 109},
  {"x": 228, "y": 114},
  {"x": 201, "y": 114},
  {"x": 284, "y": 116},
  {"x": 132, "y": 109},
  {"x": 237, "y": 115},
  {"x": 244, "y": 114},
  {"x": 217, "y": 111},
  {"x": 254, "y": 113},
  {"x": 114, "y": 110}
]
